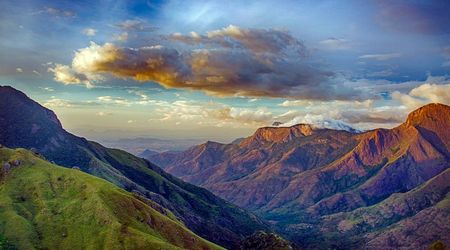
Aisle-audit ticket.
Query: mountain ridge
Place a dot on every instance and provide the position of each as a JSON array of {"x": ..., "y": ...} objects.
[
  {"x": 48, "y": 206},
  {"x": 25, "y": 123},
  {"x": 291, "y": 178}
]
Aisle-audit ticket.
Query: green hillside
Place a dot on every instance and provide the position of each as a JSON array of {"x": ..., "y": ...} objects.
[
  {"x": 26, "y": 124},
  {"x": 44, "y": 206}
]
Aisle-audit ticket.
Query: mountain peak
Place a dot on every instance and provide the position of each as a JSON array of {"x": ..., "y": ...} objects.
[
  {"x": 431, "y": 113},
  {"x": 8, "y": 90},
  {"x": 279, "y": 134},
  {"x": 17, "y": 107}
]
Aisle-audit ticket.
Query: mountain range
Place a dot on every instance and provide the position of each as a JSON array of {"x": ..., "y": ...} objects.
[
  {"x": 329, "y": 188},
  {"x": 321, "y": 188},
  {"x": 24, "y": 123}
]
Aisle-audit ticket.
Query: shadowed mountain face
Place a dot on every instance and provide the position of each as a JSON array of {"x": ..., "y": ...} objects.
[
  {"x": 24, "y": 123},
  {"x": 308, "y": 180}
]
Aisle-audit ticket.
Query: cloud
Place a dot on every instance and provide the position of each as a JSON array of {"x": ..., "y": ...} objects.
[
  {"x": 214, "y": 114},
  {"x": 20, "y": 70},
  {"x": 100, "y": 101},
  {"x": 155, "y": 63},
  {"x": 343, "y": 115},
  {"x": 55, "y": 12},
  {"x": 291, "y": 103},
  {"x": 101, "y": 113},
  {"x": 89, "y": 32},
  {"x": 255, "y": 40},
  {"x": 121, "y": 37},
  {"x": 55, "y": 102},
  {"x": 335, "y": 44},
  {"x": 358, "y": 104},
  {"x": 58, "y": 103},
  {"x": 47, "y": 89},
  {"x": 378, "y": 116},
  {"x": 424, "y": 94},
  {"x": 244, "y": 70},
  {"x": 381, "y": 86},
  {"x": 114, "y": 100},
  {"x": 243, "y": 115},
  {"x": 136, "y": 25},
  {"x": 66, "y": 75},
  {"x": 380, "y": 57},
  {"x": 319, "y": 121},
  {"x": 382, "y": 73},
  {"x": 365, "y": 114},
  {"x": 144, "y": 99}
]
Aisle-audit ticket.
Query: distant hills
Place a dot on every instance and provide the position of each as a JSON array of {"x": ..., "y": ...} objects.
[
  {"x": 137, "y": 146},
  {"x": 26, "y": 124},
  {"x": 44, "y": 206},
  {"x": 333, "y": 188}
]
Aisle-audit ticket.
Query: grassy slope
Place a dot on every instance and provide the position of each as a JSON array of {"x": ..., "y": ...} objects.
[
  {"x": 46, "y": 206},
  {"x": 26, "y": 124},
  {"x": 206, "y": 214}
]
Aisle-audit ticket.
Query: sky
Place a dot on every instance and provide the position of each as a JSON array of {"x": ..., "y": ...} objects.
[{"x": 217, "y": 70}]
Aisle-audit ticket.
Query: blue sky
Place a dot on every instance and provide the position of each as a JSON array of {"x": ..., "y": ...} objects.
[{"x": 219, "y": 69}]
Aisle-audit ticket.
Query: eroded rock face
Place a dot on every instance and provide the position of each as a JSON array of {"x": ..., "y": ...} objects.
[{"x": 277, "y": 134}]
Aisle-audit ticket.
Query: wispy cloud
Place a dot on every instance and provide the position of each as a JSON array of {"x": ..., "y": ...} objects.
[
  {"x": 55, "y": 102},
  {"x": 136, "y": 25},
  {"x": 335, "y": 44},
  {"x": 56, "y": 12},
  {"x": 380, "y": 57},
  {"x": 102, "y": 113},
  {"x": 122, "y": 37},
  {"x": 89, "y": 32},
  {"x": 114, "y": 100}
]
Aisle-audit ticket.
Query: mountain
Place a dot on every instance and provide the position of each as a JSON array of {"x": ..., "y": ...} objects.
[
  {"x": 147, "y": 153},
  {"x": 25, "y": 123},
  {"x": 44, "y": 206},
  {"x": 306, "y": 180},
  {"x": 252, "y": 172},
  {"x": 137, "y": 145}
]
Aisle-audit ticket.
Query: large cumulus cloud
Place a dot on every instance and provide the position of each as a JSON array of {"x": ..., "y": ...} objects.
[
  {"x": 424, "y": 94},
  {"x": 226, "y": 62}
]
